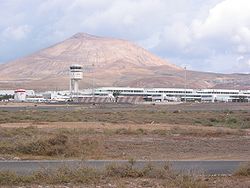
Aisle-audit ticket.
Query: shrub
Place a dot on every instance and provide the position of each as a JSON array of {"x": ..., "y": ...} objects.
[
  {"x": 214, "y": 120},
  {"x": 59, "y": 145},
  {"x": 176, "y": 111},
  {"x": 51, "y": 147},
  {"x": 231, "y": 120},
  {"x": 129, "y": 131},
  {"x": 243, "y": 170},
  {"x": 21, "y": 131},
  {"x": 83, "y": 175}
]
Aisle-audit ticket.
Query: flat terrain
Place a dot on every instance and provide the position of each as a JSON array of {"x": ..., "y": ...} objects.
[
  {"x": 212, "y": 182},
  {"x": 113, "y": 141},
  {"x": 123, "y": 107},
  {"x": 124, "y": 131},
  {"x": 147, "y": 132}
]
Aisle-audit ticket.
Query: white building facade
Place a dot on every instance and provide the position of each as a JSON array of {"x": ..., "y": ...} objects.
[{"x": 179, "y": 94}]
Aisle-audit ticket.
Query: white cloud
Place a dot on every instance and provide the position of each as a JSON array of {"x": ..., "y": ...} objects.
[
  {"x": 240, "y": 58},
  {"x": 248, "y": 63},
  {"x": 205, "y": 35},
  {"x": 151, "y": 42},
  {"x": 226, "y": 17},
  {"x": 16, "y": 32},
  {"x": 170, "y": 33},
  {"x": 219, "y": 37},
  {"x": 228, "y": 20}
]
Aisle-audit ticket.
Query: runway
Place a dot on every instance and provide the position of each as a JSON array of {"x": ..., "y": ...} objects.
[
  {"x": 123, "y": 107},
  {"x": 197, "y": 167}
]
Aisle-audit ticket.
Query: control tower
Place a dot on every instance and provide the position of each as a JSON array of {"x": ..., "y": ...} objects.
[{"x": 75, "y": 75}]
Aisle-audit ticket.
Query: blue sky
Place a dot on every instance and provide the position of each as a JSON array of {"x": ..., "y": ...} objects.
[{"x": 206, "y": 35}]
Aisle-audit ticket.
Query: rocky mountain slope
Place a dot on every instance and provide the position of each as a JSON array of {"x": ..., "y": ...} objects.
[{"x": 106, "y": 62}]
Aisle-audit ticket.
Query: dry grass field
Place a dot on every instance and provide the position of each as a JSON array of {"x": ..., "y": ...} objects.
[
  {"x": 131, "y": 132},
  {"x": 198, "y": 131},
  {"x": 114, "y": 141}
]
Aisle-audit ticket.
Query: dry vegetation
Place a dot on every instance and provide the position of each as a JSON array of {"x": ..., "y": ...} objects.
[
  {"x": 86, "y": 176},
  {"x": 231, "y": 119},
  {"x": 31, "y": 141},
  {"x": 125, "y": 134},
  {"x": 117, "y": 142},
  {"x": 244, "y": 170},
  {"x": 123, "y": 176}
]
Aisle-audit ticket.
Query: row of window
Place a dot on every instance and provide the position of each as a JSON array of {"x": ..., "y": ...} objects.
[
  {"x": 150, "y": 91},
  {"x": 218, "y": 92},
  {"x": 140, "y": 91}
]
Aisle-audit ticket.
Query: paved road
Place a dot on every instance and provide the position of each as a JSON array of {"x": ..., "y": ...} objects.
[
  {"x": 125, "y": 107},
  {"x": 201, "y": 167}
]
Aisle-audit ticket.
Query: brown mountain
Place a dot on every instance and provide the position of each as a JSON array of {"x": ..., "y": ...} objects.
[{"x": 106, "y": 62}]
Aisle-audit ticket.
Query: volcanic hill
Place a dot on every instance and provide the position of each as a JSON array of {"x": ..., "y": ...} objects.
[{"x": 106, "y": 62}]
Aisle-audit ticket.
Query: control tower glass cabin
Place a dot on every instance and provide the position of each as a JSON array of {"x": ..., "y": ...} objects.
[{"x": 76, "y": 74}]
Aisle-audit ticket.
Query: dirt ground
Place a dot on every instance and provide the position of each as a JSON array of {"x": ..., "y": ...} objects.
[
  {"x": 120, "y": 107},
  {"x": 190, "y": 131},
  {"x": 150, "y": 132},
  {"x": 114, "y": 126},
  {"x": 154, "y": 141},
  {"x": 206, "y": 182}
]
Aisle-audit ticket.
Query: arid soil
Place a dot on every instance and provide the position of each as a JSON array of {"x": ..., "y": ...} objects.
[
  {"x": 205, "y": 182},
  {"x": 146, "y": 141},
  {"x": 155, "y": 132},
  {"x": 114, "y": 131}
]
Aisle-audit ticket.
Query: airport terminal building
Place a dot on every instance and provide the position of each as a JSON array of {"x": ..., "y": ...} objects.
[
  {"x": 132, "y": 95},
  {"x": 178, "y": 94}
]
